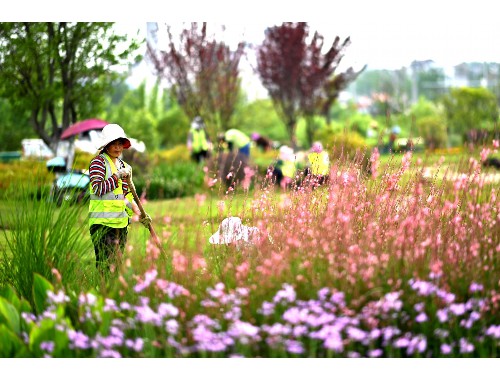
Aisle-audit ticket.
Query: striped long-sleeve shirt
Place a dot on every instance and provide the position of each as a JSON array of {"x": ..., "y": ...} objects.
[{"x": 100, "y": 185}]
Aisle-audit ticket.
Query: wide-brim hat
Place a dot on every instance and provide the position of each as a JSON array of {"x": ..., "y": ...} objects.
[
  {"x": 112, "y": 132},
  {"x": 232, "y": 230}
]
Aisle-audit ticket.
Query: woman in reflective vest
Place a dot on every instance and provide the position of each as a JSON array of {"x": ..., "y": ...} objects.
[{"x": 111, "y": 203}]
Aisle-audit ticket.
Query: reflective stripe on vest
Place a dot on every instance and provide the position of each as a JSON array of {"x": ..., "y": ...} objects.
[{"x": 110, "y": 208}]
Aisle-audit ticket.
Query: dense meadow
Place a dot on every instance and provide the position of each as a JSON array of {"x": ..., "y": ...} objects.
[{"x": 397, "y": 261}]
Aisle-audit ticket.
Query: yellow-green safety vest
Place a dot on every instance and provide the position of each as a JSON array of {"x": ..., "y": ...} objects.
[
  {"x": 320, "y": 163},
  {"x": 112, "y": 209},
  {"x": 200, "y": 142},
  {"x": 288, "y": 169}
]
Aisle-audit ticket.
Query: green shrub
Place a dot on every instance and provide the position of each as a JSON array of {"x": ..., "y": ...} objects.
[
  {"x": 171, "y": 180},
  {"x": 433, "y": 130}
]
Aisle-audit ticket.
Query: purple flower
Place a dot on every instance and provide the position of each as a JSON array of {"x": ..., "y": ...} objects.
[
  {"x": 323, "y": 293},
  {"x": 58, "y": 298},
  {"x": 356, "y": 334},
  {"x": 440, "y": 333},
  {"x": 244, "y": 332},
  {"x": 149, "y": 277},
  {"x": 338, "y": 298},
  {"x": 87, "y": 299},
  {"x": 493, "y": 331},
  {"x": 172, "y": 326},
  {"x": 376, "y": 353},
  {"x": 294, "y": 346},
  {"x": 475, "y": 287},
  {"x": 168, "y": 310},
  {"x": 135, "y": 345},
  {"x": 334, "y": 343},
  {"x": 110, "y": 305},
  {"x": 445, "y": 296},
  {"x": 465, "y": 346},
  {"x": 78, "y": 340},
  {"x": 287, "y": 293},
  {"x": 299, "y": 330},
  {"x": 442, "y": 315},
  {"x": 423, "y": 288},
  {"x": 445, "y": 349},
  {"x": 390, "y": 302},
  {"x": 421, "y": 318},
  {"x": 110, "y": 354},
  {"x": 457, "y": 308},
  {"x": 374, "y": 334},
  {"x": 402, "y": 342},
  {"x": 147, "y": 315},
  {"x": 47, "y": 346},
  {"x": 419, "y": 307},
  {"x": 267, "y": 308},
  {"x": 294, "y": 315}
]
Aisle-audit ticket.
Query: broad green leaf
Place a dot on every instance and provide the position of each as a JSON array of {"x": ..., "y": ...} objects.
[
  {"x": 10, "y": 315},
  {"x": 40, "y": 288},
  {"x": 10, "y": 344}
]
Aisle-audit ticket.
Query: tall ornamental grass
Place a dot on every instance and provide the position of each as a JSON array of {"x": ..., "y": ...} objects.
[{"x": 41, "y": 237}]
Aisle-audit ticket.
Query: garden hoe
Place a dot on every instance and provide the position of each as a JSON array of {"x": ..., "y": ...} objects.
[{"x": 143, "y": 214}]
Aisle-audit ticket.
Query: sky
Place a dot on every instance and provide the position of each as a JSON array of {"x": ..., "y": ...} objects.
[{"x": 385, "y": 34}]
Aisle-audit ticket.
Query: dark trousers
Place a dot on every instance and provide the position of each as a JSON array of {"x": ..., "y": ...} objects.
[
  {"x": 200, "y": 156},
  {"x": 109, "y": 244}
]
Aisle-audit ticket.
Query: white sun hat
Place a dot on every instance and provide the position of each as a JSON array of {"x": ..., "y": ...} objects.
[
  {"x": 112, "y": 132},
  {"x": 232, "y": 230}
]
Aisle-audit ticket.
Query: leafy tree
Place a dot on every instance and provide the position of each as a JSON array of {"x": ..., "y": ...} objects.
[
  {"x": 14, "y": 127},
  {"x": 203, "y": 72},
  {"x": 470, "y": 108},
  {"x": 142, "y": 111},
  {"x": 298, "y": 76},
  {"x": 59, "y": 72}
]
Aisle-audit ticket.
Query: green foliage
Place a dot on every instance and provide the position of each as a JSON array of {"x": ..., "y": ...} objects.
[
  {"x": 260, "y": 116},
  {"x": 433, "y": 130},
  {"x": 13, "y": 177},
  {"x": 470, "y": 108},
  {"x": 65, "y": 72},
  {"x": 339, "y": 144},
  {"x": 171, "y": 180},
  {"x": 359, "y": 123},
  {"x": 423, "y": 108},
  {"x": 173, "y": 128},
  {"x": 14, "y": 127},
  {"x": 40, "y": 288}
]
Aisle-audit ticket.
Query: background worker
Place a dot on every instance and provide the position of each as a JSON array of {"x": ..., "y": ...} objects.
[
  {"x": 263, "y": 143},
  {"x": 318, "y": 163},
  {"x": 111, "y": 203},
  {"x": 198, "y": 143},
  {"x": 285, "y": 168},
  {"x": 236, "y": 139}
]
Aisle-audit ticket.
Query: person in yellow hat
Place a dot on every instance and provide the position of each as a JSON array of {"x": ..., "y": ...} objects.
[
  {"x": 318, "y": 164},
  {"x": 111, "y": 202}
]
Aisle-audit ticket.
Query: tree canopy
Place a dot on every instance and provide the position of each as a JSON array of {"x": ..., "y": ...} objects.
[
  {"x": 300, "y": 78},
  {"x": 203, "y": 73},
  {"x": 59, "y": 72}
]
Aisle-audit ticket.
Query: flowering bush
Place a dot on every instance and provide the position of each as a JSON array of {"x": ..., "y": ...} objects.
[{"x": 402, "y": 263}]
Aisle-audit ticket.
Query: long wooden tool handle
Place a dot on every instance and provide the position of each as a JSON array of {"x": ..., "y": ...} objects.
[{"x": 143, "y": 213}]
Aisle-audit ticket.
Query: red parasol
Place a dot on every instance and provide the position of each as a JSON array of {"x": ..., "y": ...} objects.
[{"x": 83, "y": 126}]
